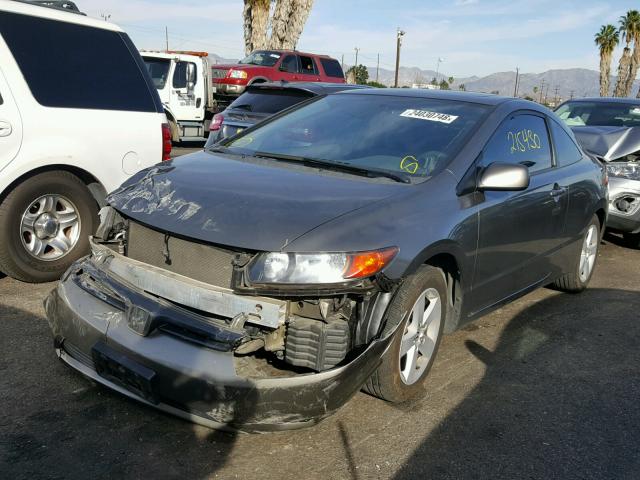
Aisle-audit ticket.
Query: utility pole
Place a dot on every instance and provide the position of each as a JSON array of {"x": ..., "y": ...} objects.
[
  {"x": 515, "y": 88},
  {"x": 377, "y": 67},
  {"x": 571, "y": 93},
  {"x": 166, "y": 36},
  {"x": 546, "y": 93},
  {"x": 555, "y": 96},
  {"x": 541, "y": 90},
  {"x": 342, "y": 62},
  {"x": 357, "y": 50},
  {"x": 399, "y": 36},
  {"x": 440, "y": 59}
]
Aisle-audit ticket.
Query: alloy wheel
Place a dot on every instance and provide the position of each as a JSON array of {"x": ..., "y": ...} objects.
[{"x": 420, "y": 336}]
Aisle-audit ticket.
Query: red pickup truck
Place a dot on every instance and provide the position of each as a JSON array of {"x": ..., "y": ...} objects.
[{"x": 230, "y": 80}]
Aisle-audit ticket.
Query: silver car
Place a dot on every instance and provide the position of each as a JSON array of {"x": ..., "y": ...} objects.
[{"x": 609, "y": 128}]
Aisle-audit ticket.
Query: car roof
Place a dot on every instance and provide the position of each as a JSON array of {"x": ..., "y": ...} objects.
[
  {"x": 297, "y": 52},
  {"x": 628, "y": 101},
  {"x": 317, "y": 88},
  {"x": 469, "y": 97},
  {"x": 53, "y": 13}
]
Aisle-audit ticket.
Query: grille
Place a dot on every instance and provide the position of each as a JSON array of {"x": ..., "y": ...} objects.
[
  {"x": 219, "y": 72},
  {"x": 212, "y": 265}
]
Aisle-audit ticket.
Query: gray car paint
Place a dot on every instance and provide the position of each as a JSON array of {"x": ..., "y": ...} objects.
[{"x": 503, "y": 245}]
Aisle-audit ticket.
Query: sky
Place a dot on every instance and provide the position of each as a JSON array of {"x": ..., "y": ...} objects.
[{"x": 472, "y": 37}]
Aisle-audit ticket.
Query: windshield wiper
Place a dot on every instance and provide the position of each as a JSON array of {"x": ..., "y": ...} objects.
[{"x": 328, "y": 165}]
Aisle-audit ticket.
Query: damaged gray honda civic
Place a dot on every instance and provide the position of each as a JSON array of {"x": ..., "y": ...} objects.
[{"x": 260, "y": 284}]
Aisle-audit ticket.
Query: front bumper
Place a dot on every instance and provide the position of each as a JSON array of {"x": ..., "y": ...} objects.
[
  {"x": 623, "y": 189},
  {"x": 229, "y": 89},
  {"x": 192, "y": 381}
]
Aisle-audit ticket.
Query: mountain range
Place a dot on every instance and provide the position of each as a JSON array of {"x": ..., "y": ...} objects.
[{"x": 570, "y": 82}]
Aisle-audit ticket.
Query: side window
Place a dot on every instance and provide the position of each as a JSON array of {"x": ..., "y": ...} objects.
[
  {"x": 180, "y": 74},
  {"x": 289, "y": 64},
  {"x": 520, "y": 139},
  {"x": 308, "y": 66},
  {"x": 82, "y": 67},
  {"x": 332, "y": 68},
  {"x": 567, "y": 151}
]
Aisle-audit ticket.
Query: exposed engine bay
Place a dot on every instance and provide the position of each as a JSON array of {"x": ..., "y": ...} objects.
[{"x": 206, "y": 300}]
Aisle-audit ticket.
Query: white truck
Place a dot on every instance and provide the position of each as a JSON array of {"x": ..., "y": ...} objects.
[{"x": 183, "y": 80}]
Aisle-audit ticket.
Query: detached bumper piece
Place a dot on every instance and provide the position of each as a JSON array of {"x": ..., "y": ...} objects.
[{"x": 181, "y": 360}]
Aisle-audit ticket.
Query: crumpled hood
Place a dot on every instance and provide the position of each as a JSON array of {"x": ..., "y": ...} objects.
[
  {"x": 609, "y": 143},
  {"x": 251, "y": 203}
]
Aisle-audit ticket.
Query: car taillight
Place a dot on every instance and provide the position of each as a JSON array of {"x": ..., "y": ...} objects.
[
  {"x": 166, "y": 142},
  {"x": 216, "y": 122}
]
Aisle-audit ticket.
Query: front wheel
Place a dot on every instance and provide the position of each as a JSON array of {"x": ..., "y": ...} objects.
[
  {"x": 421, "y": 303},
  {"x": 584, "y": 265},
  {"x": 45, "y": 223}
]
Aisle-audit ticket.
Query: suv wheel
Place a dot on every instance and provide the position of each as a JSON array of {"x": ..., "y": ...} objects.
[
  {"x": 45, "y": 223},
  {"x": 422, "y": 304}
]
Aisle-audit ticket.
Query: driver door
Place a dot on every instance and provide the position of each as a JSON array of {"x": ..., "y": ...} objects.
[{"x": 518, "y": 231}]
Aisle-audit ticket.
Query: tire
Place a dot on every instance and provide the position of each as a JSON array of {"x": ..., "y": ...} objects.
[
  {"x": 390, "y": 381},
  {"x": 62, "y": 195},
  {"x": 632, "y": 240},
  {"x": 577, "y": 280}
]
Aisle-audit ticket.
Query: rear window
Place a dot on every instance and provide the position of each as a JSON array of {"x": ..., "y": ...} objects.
[
  {"x": 268, "y": 101},
  {"x": 73, "y": 66},
  {"x": 332, "y": 68}
]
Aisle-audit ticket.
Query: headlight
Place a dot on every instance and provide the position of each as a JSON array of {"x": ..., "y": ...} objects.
[
  {"x": 624, "y": 170},
  {"x": 318, "y": 268},
  {"x": 237, "y": 74}
]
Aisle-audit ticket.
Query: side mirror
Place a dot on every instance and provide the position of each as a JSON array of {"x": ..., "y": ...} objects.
[
  {"x": 504, "y": 177},
  {"x": 191, "y": 76}
]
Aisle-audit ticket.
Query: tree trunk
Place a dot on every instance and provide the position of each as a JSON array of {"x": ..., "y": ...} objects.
[
  {"x": 605, "y": 70},
  {"x": 623, "y": 72},
  {"x": 256, "y": 20},
  {"x": 633, "y": 69},
  {"x": 288, "y": 21}
]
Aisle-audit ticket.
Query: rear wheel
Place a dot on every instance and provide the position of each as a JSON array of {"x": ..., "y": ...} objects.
[
  {"x": 44, "y": 226},
  {"x": 422, "y": 301},
  {"x": 577, "y": 280}
]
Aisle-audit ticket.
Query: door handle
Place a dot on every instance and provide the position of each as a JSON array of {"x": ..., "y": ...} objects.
[
  {"x": 557, "y": 190},
  {"x": 5, "y": 129}
]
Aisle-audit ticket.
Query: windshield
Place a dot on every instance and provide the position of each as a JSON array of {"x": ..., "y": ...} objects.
[
  {"x": 406, "y": 135},
  {"x": 264, "y": 58},
  {"x": 158, "y": 69},
  {"x": 579, "y": 114}
]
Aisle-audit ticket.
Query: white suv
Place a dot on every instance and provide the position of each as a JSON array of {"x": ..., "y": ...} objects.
[{"x": 78, "y": 115}]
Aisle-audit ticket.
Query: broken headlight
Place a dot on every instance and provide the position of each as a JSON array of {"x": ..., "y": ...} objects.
[
  {"x": 624, "y": 170},
  {"x": 318, "y": 268}
]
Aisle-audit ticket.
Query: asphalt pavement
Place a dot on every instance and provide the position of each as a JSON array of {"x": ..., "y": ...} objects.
[{"x": 544, "y": 388}]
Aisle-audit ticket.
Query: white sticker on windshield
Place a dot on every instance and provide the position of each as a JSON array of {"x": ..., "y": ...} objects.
[
  {"x": 427, "y": 115},
  {"x": 635, "y": 111}
]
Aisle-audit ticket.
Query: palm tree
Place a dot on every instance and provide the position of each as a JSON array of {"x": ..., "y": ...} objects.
[
  {"x": 256, "y": 20},
  {"x": 288, "y": 21},
  {"x": 627, "y": 28},
  {"x": 631, "y": 26},
  {"x": 607, "y": 39},
  {"x": 289, "y": 17}
]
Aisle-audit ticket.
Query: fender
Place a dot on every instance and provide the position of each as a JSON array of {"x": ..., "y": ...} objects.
[{"x": 258, "y": 80}]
